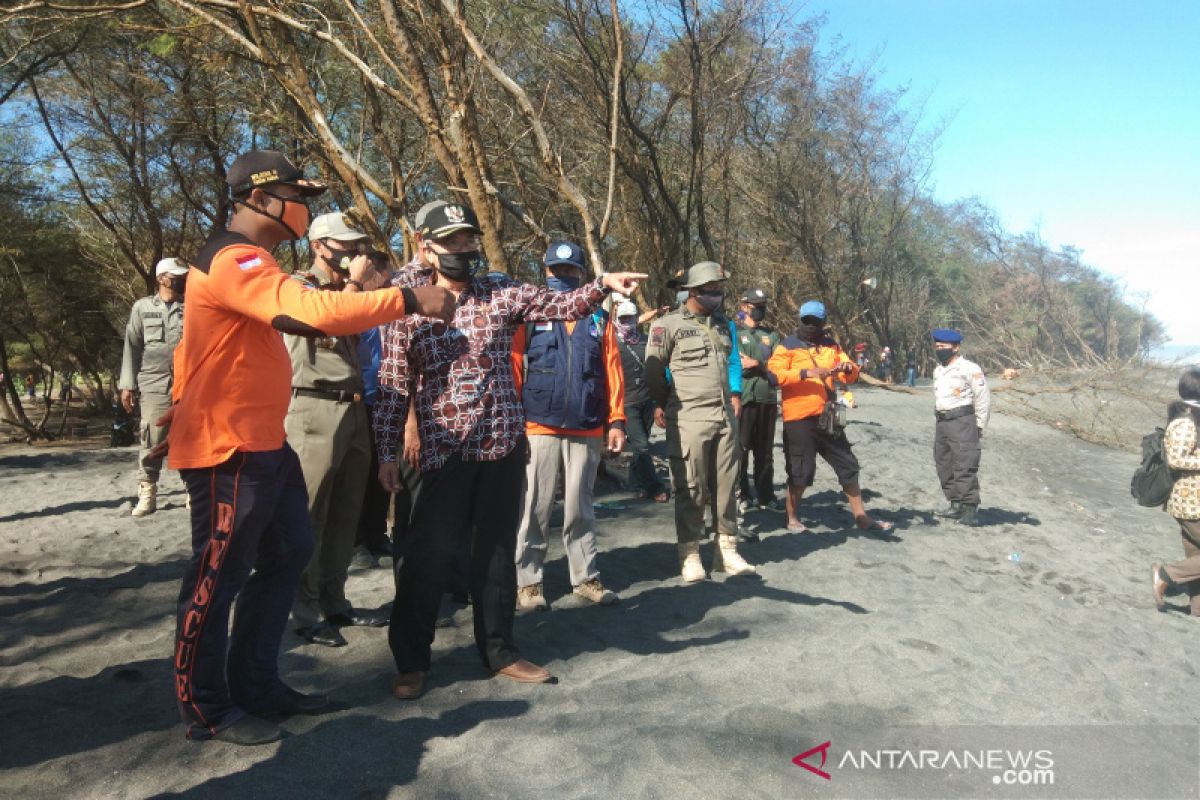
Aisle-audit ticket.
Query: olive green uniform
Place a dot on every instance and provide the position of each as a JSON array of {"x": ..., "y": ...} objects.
[
  {"x": 147, "y": 366},
  {"x": 328, "y": 428},
  {"x": 701, "y": 432}
]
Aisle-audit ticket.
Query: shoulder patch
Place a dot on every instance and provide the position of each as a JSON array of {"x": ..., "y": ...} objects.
[{"x": 657, "y": 336}]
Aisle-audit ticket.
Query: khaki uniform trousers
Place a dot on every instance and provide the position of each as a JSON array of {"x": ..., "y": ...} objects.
[
  {"x": 332, "y": 441},
  {"x": 151, "y": 407},
  {"x": 578, "y": 457},
  {"x": 704, "y": 469}
]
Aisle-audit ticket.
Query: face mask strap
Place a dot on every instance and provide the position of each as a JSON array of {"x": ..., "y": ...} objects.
[{"x": 279, "y": 219}]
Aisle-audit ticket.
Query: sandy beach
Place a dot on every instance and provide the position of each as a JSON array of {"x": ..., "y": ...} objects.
[{"x": 1042, "y": 616}]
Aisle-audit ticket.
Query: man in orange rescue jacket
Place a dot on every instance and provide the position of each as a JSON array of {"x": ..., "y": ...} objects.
[
  {"x": 806, "y": 366},
  {"x": 251, "y": 535}
]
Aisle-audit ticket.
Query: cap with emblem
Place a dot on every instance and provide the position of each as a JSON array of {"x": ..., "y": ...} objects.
[
  {"x": 813, "y": 308},
  {"x": 564, "y": 253},
  {"x": 334, "y": 225},
  {"x": 439, "y": 219},
  {"x": 259, "y": 168},
  {"x": 755, "y": 297},
  {"x": 947, "y": 335},
  {"x": 702, "y": 273},
  {"x": 170, "y": 266}
]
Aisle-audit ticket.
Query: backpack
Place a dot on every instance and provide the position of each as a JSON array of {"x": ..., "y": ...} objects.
[{"x": 1152, "y": 480}]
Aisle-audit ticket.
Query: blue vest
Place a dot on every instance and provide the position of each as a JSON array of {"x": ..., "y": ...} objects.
[{"x": 565, "y": 382}]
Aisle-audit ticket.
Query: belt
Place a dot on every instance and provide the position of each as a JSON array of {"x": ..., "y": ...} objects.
[
  {"x": 955, "y": 413},
  {"x": 336, "y": 395}
]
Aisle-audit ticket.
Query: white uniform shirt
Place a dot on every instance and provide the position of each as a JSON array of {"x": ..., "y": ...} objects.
[{"x": 961, "y": 383}]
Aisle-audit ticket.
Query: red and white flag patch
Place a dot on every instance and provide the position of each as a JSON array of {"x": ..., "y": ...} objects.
[{"x": 249, "y": 262}]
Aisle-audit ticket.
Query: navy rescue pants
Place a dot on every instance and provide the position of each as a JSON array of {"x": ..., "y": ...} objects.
[{"x": 251, "y": 540}]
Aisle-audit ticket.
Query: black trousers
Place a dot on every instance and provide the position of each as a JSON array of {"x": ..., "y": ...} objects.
[
  {"x": 372, "y": 520},
  {"x": 475, "y": 504},
  {"x": 956, "y": 453},
  {"x": 756, "y": 433},
  {"x": 251, "y": 540}
]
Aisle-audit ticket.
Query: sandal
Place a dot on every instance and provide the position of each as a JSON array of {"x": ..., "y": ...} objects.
[
  {"x": 869, "y": 524},
  {"x": 797, "y": 527},
  {"x": 1158, "y": 586}
]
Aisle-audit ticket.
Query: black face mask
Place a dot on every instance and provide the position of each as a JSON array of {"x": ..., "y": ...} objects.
[
  {"x": 710, "y": 301},
  {"x": 812, "y": 331},
  {"x": 459, "y": 267},
  {"x": 340, "y": 259},
  {"x": 943, "y": 355},
  {"x": 757, "y": 313},
  {"x": 178, "y": 285}
]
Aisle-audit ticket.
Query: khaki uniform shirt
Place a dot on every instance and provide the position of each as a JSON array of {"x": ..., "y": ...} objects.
[
  {"x": 324, "y": 362},
  {"x": 697, "y": 350},
  {"x": 961, "y": 383},
  {"x": 154, "y": 329}
]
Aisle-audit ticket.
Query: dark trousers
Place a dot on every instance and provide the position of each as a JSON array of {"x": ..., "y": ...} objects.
[
  {"x": 251, "y": 540},
  {"x": 756, "y": 433},
  {"x": 639, "y": 420},
  {"x": 372, "y": 519},
  {"x": 956, "y": 452},
  {"x": 463, "y": 504}
]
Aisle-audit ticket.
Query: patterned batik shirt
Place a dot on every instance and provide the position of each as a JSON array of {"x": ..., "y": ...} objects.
[
  {"x": 1179, "y": 450},
  {"x": 461, "y": 374}
]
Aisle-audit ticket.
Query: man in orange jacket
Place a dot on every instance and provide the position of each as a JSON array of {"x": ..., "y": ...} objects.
[
  {"x": 251, "y": 534},
  {"x": 806, "y": 366}
]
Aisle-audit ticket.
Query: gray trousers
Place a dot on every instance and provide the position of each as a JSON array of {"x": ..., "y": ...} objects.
[
  {"x": 956, "y": 452},
  {"x": 334, "y": 446},
  {"x": 152, "y": 406},
  {"x": 578, "y": 457},
  {"x": 704, "y": 469}
]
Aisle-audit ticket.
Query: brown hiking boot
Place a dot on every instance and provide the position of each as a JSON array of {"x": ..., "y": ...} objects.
[
  {"x": 593, "y": 591},
  {"x": 530, "y": 598}
]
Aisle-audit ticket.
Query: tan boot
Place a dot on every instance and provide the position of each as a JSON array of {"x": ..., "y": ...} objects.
[
  {"x": 691, "y": 569},
  {"x": 147, "y": 499},
  {"x": 726, "y": 558},
  {"x": 530, "y": 598}
]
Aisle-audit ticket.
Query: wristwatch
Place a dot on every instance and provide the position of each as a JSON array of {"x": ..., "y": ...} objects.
[{"x": 356, "y": 284}]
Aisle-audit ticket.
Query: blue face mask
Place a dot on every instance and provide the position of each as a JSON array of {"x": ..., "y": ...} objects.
[{"x": 562, "y": 283}]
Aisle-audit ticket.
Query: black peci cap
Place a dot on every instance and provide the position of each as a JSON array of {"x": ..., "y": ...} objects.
[{"x": 259, "y": 168}]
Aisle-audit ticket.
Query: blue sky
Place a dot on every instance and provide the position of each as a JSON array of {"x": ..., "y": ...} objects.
[{"x": 1078, "y": 119}]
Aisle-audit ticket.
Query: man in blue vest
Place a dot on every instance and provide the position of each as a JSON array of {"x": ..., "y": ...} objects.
[{"x": 574, "y": 396}]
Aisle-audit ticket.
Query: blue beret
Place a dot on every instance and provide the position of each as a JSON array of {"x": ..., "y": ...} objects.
[{"x": 947, "y": 335}]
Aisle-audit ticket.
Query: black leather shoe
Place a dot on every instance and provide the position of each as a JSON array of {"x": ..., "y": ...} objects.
[
  {"x": 967, "y": 517},
  {"x": 953, "y": 512},
  {"x": 249, "y": 731},
  {"x": 747, "y": 536},
  {"x": 322, "y": 633},
  {"x": 293, "y": 702},
  {"x": 357, "y": 619}
]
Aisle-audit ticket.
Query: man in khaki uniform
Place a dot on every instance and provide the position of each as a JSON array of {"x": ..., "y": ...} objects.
[
  {"x": 695, "y": 405},
  {"x": 154, "y": 329},
  {"x": 328, "y": 427}
]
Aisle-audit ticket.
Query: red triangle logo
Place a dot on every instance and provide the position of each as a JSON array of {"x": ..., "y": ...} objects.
[{"x": 799, "y": 760}]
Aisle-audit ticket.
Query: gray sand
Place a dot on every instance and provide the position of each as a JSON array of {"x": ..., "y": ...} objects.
[{"x": 680, "y": 692}]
